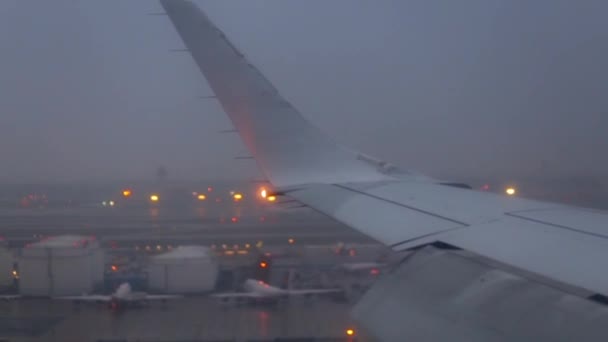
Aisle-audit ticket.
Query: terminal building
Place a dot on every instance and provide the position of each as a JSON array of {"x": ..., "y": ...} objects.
[
  {"x": 61, "y": 265},
  {"x": 185, "y": 269}
]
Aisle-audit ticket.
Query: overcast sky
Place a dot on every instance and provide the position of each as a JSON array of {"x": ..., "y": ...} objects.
[{"x": 482, "y": 88}]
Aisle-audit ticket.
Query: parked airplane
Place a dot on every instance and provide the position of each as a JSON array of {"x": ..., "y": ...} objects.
[
  {"x": 259, "y": 292},
  {"x": 480, "y": 266},
  {"x": 122, "y": 298}
]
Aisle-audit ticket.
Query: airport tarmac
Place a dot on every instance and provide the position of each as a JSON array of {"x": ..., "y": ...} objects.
[
  {"x": 191, "y": 224},
  {"x": 131, "y": 227},
  {"x": 188, "y": 319}
]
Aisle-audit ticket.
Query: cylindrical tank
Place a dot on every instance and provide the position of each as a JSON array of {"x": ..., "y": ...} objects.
[
  {"x": 59, "y": 266},
  {"x": 185, "y": 269}
]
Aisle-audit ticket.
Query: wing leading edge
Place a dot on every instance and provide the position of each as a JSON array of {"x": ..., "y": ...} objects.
[
  {"x": 556, "y": 242},
  {"x": 287, "y": 147}
]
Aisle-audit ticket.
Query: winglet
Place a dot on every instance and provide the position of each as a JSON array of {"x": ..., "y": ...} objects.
[{"x": 288, "y": 148}]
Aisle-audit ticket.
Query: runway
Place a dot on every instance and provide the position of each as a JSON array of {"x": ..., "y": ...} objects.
[{"x": 190, "y": 319}]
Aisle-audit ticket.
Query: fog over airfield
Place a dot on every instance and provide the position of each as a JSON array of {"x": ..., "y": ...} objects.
[{"x": 90, "y": 91}]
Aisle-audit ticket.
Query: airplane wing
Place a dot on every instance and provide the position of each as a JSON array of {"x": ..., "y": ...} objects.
[
  {"x": 86, "y": 298},
  {"x": 400, "y": 211},
  {"x": 548, "y": 243}
]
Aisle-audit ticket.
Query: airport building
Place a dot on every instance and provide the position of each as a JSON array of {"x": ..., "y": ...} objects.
[
  {"x": 185, "y": 269},
  {"x": 61, "y": 265}
]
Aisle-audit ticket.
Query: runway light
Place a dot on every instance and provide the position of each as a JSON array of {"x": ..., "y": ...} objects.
[
  {"x": 350, "y": 332},
  {"x": 126, "y": 192},
  {"x": 210, "y": 189},
  {"x": 104, "y": 203},
  {"x": 510, "y": 191},
  {"x": 291, "y": 241},
  {"x": 374, "y": 271},
  {"x": 242, "y": 252},
  {"x": 201, "y": 197},
  {"x": 247, "y": 245},
  {"x": 271, "y": 198},
  {"x": 159, "y": 247},
  {"x": 154, "y": 198},
  {"x": 234, "y": 219},
  {"x": 263, "y": 193},
  {"x": 263, "y": 264},
  {"x": 111, "y": 203},
  {"x": 15, "y": 274},
  {"x": 114, "y": 268},
  {"x": 229, "y": 252},
  {"x": 237, "y": 197}
]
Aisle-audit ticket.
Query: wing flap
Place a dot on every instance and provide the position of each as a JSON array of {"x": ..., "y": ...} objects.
[{"x": 565, "y": 256}]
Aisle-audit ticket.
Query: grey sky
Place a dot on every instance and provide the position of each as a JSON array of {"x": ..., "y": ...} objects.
[{"x": 89, "y": 90}]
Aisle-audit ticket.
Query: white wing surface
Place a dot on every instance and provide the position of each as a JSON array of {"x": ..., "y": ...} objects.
[
  {"x": 558, "y": 242},
  {"x": 542, "y": 243},
  {"x": 550, "y": 249}
]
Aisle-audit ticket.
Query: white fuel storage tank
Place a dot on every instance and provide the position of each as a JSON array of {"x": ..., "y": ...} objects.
[
  {"x": 61, "y": 265},
  {"x": 185, "y": 269}
]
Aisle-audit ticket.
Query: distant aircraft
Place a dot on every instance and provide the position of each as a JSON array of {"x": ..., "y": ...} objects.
[
  {"x": 122, "y": 298},
  {"x": 259, "y": 292}
]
